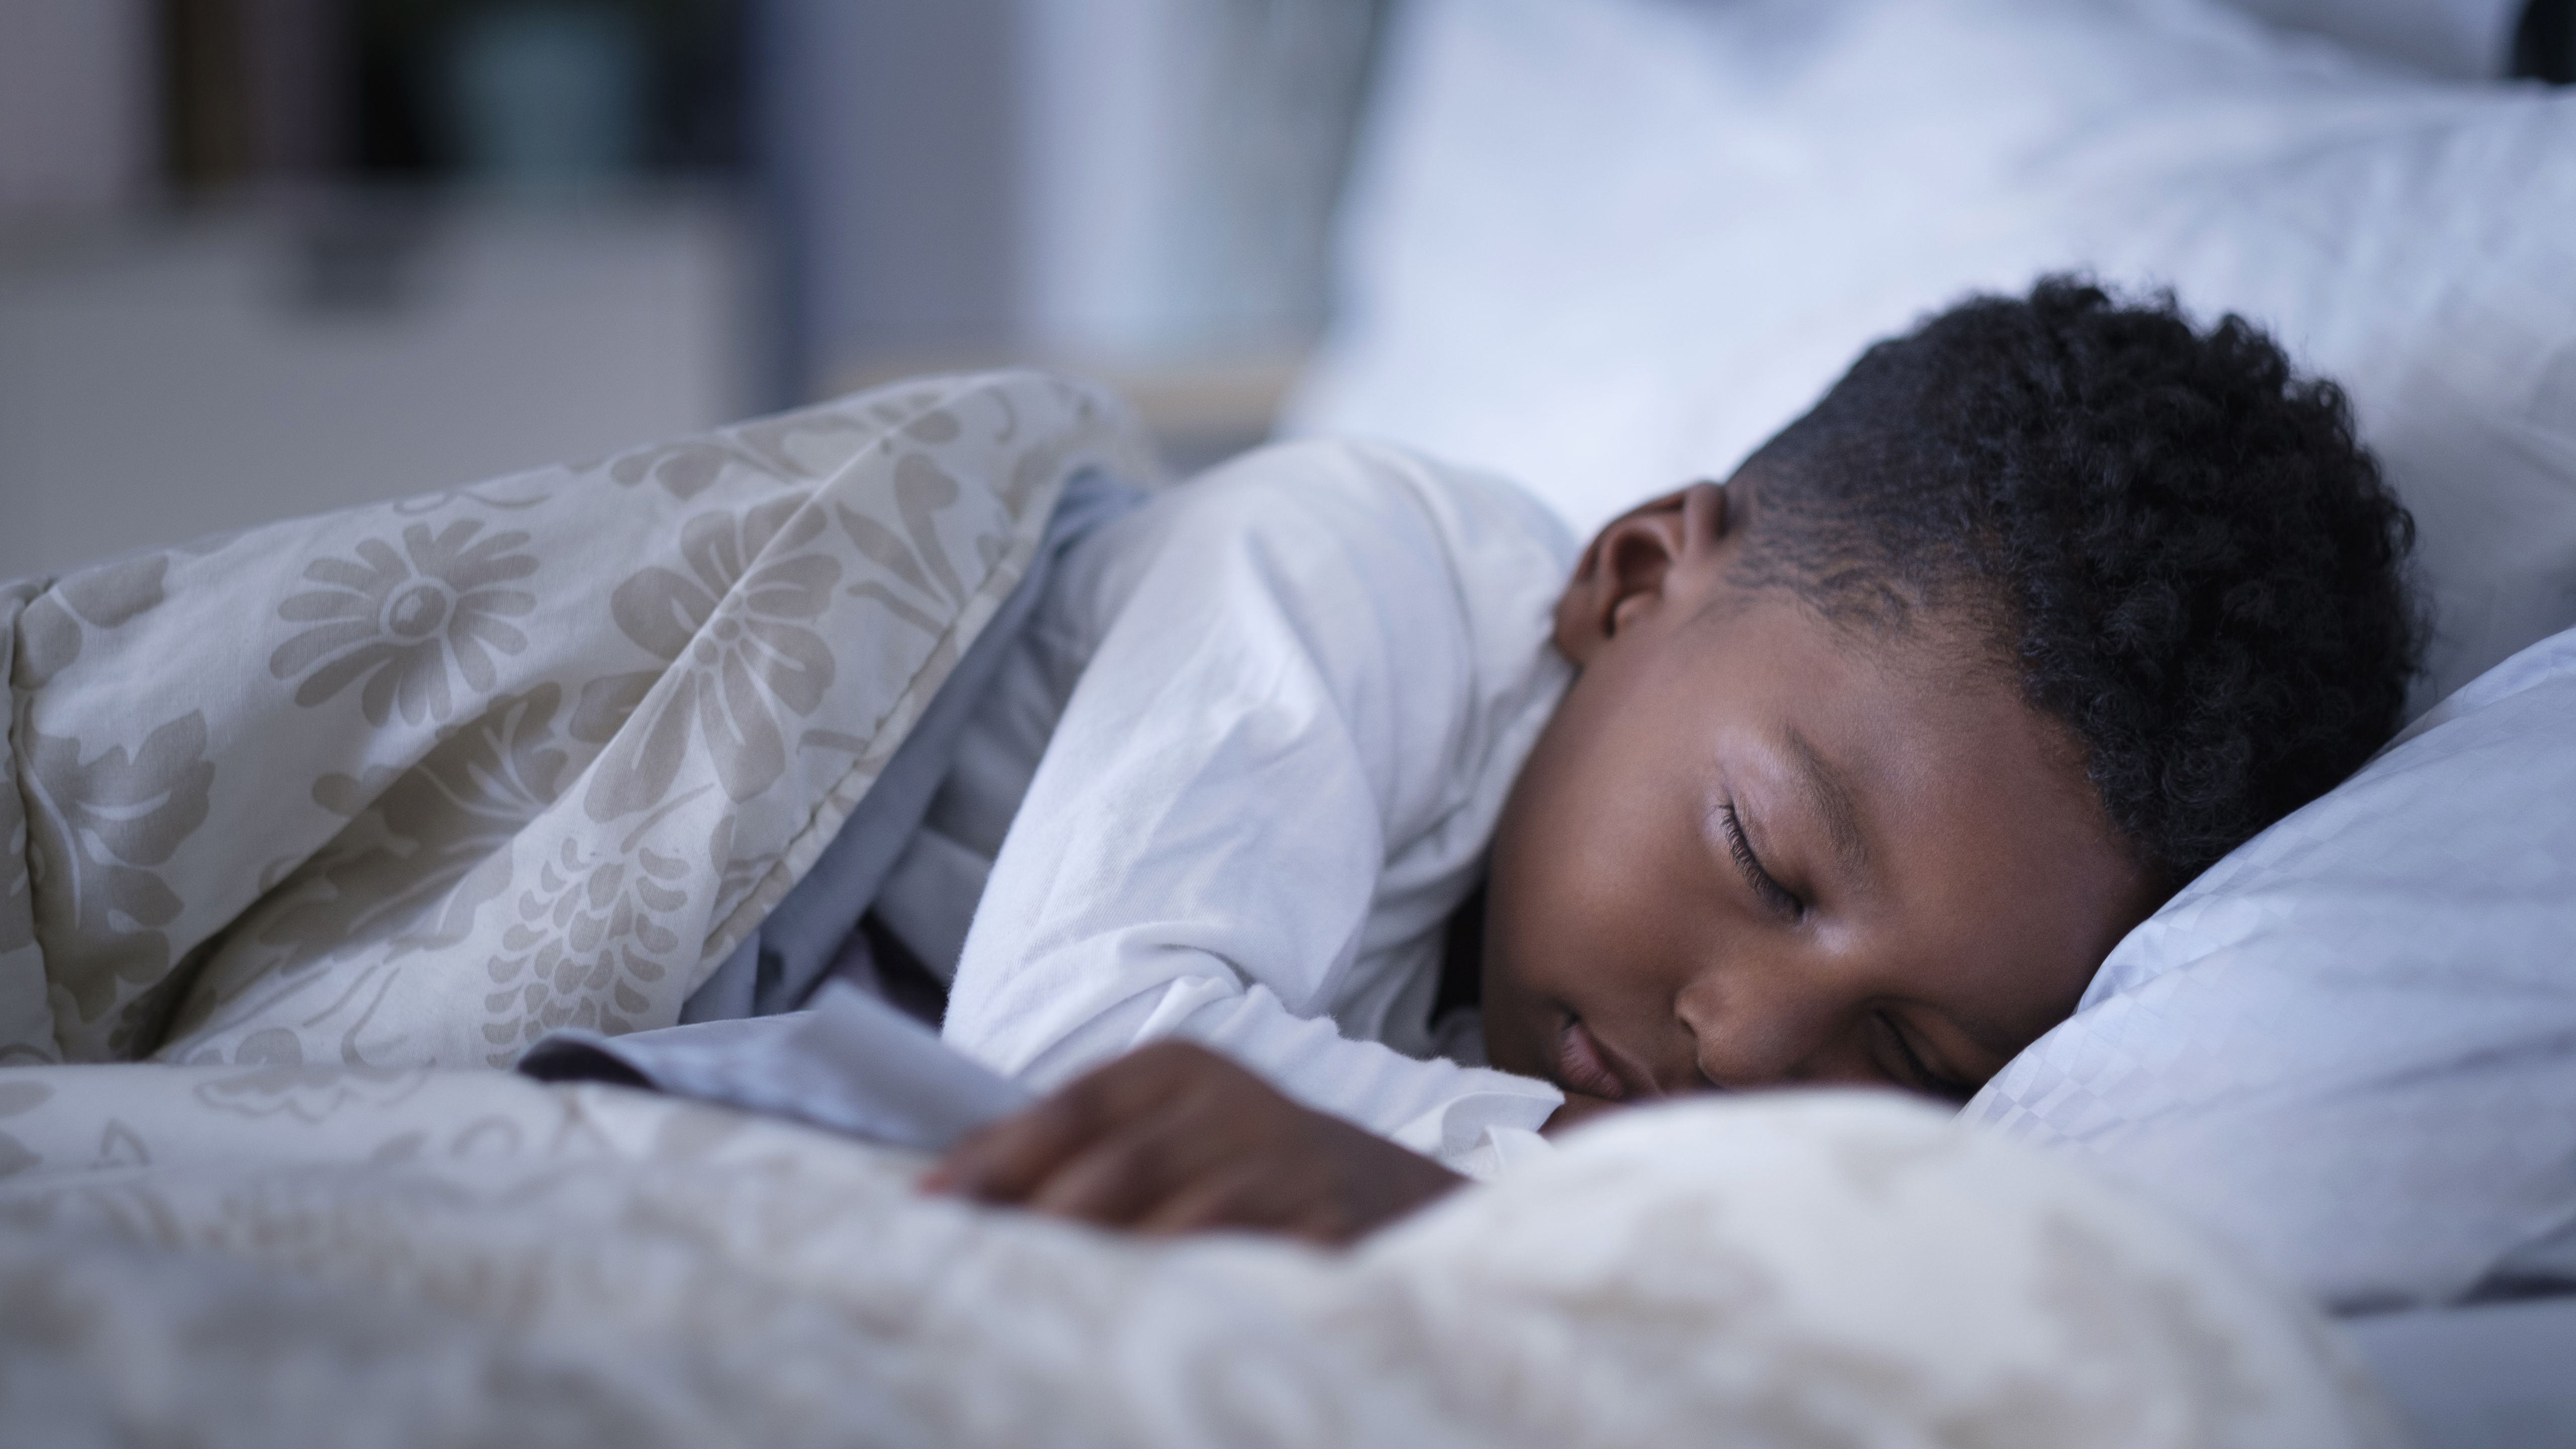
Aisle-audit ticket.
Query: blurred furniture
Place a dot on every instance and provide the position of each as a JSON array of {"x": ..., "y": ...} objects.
[
  {"x": 266, "y": 257},
  {"x": 1136, "y": 191},
  {"x": 224, "y": 367}
]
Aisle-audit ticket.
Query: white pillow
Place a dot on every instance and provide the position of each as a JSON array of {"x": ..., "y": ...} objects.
[
  {"x": 2351, "y": 1046},
  {"x": 1607, "y": 245}
]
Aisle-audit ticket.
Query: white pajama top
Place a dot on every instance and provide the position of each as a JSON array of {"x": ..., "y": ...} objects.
[{"x": 1235, "y": 775}]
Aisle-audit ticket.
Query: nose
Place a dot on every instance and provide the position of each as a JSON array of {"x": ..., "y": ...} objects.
[{"x": 1752, "y": 1027}]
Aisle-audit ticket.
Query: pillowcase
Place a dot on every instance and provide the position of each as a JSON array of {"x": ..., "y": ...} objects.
[
  {"x": 1608, "y": 245},
  {"x": 2350, "y": 1047}
]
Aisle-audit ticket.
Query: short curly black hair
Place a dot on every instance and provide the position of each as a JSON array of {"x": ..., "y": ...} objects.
[{"x": 2171, "y": 536}]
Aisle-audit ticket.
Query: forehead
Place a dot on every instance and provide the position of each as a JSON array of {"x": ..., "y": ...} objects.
[{"x": 1921, "y": 720}]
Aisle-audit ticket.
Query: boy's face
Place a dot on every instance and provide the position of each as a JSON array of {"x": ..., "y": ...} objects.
[{"x": 1751, "y": 849}]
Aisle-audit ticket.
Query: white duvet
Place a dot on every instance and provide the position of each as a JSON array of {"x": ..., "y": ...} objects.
[{"x": 340, "y": 1256}]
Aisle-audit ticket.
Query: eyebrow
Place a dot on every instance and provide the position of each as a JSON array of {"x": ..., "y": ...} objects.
[{"x": 1831, "y": 794}]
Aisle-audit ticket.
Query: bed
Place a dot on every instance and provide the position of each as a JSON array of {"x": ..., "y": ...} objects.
[
  {"x": 535, "y": 754},
  {"x": 531, "y": 756}
]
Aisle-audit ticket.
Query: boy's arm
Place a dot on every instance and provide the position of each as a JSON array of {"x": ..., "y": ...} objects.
[
  {"x": 1282, "y": 693},
  {"x": 1173, "y": 1138}
]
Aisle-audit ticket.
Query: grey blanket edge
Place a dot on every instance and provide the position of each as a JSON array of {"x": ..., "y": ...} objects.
[{"x": 850, "y": 1063}]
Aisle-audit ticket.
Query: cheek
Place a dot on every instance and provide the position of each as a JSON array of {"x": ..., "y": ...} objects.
[
  {"x": 1540, "y": 873},
  {"x": 1600, "y": 870},
  {"x": 1588, "y": 890}
]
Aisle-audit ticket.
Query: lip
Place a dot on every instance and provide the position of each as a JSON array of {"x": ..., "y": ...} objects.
[{"x": 1586, "y": 1066}]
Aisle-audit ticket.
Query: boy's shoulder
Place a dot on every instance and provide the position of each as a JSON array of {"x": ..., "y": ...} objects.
[{"x": 1362, "y": 551}]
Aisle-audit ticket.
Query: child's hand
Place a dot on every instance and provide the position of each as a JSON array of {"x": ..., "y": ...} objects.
[{"x": 1173, "y": 1138}]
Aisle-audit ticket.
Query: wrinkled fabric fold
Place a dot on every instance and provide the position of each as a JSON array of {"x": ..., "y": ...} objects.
[{"x": 418, "y": 782}]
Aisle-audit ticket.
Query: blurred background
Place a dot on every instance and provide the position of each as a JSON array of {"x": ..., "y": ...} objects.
[{"x": 265, "y": 257}]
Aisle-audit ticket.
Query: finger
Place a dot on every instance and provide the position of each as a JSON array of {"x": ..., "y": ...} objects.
[
  {"x": 1006, "y": 1161},
  {"x": 1235, "y": 1195},
  {"x": 1125, "y": 1173},
  {"x": 1152, "y": 1075}
]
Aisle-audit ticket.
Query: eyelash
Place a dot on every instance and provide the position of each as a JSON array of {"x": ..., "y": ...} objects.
[{"x": 1775, "y": 895}]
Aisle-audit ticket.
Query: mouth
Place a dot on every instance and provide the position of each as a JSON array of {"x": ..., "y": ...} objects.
[{"x": 1585, "y": 1065}]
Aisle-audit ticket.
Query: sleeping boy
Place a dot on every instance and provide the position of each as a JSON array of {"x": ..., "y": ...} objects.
[{"x": 1321, "y": 844}]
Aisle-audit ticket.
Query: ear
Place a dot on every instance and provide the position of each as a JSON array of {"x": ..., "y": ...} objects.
[{"x": 1635, "y": 564}]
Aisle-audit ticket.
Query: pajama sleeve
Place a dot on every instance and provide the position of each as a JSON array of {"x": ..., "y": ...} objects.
[{"x": 1284, "y": 692}]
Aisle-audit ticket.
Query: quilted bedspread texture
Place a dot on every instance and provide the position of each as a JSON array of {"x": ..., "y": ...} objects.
[{"x": 336, "y": 1255}]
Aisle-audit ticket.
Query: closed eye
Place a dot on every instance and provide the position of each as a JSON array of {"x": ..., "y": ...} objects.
[{"x": 1779, "y": 898}]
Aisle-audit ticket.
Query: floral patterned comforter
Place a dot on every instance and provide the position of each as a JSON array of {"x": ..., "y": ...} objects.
[{"x": 414, "y": 784}]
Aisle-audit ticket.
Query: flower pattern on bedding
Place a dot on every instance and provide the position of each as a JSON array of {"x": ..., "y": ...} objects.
[
  {"x": 49, "y": 629},
  {"x": 99, "y": 826},
  {"x": 732, "y": 638},
  {"x": 397, "y": 619},
  {"x": 687, "y": 467},
  {"x": 588, "y": 948},
  {"x": 418, "y": 861},
  {"x": 100, "y": 598},
  {"x": 496, "y": 759},
  {"x": 909, "y": 549}
]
